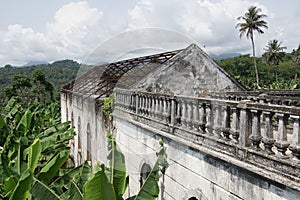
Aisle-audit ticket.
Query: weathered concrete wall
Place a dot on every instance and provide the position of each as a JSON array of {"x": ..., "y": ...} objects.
[
  {"x": 190, "y": 73},
  {"x": 192, "y": 172},
  {"x": 83, "y": 113}
]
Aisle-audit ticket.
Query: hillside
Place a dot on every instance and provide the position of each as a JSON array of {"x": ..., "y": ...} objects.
[
  {"x": 285, "y": 75},
  {"x": 58, "y": 73}
]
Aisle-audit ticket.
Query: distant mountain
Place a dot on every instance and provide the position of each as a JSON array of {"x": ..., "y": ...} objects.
[
  {"x": 224, "y": 56},
  {"x": 30, "y": 63}
]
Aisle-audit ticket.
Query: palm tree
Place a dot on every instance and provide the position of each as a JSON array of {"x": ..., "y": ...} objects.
[
  {"x": 252, "y": 21},
  {"x": 296, "y": 55},
  {"x": 274, "y": 52}
]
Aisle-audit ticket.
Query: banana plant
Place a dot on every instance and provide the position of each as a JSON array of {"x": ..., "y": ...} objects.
[
  {"x": 111, "y": 182},
  {"x": 34, "y": 152}
]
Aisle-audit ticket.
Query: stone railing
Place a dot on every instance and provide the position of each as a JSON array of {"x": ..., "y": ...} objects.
[
  {"x": 253, "y": 131},
  {"x": 277, "y": 97}
]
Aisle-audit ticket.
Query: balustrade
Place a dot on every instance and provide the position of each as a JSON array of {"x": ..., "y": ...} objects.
[{"x": 238, "y": 123}]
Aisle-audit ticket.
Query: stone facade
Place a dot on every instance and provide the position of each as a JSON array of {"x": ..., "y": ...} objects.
[
  {"x": 190, "y": 73},
  {"x": 219, "y": 145}
]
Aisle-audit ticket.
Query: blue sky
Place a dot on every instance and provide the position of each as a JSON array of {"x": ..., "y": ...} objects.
[{"x": 92, "y": 31}]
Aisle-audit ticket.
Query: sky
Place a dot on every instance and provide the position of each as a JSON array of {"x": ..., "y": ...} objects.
[{"x": 102, "y": 31}]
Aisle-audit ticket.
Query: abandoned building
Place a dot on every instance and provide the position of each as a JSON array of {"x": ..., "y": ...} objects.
[{"x": 222, "y": 141}]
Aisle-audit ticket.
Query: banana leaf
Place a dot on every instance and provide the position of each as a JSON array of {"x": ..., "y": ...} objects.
[
  {"x": 117, "y": 169},
  {"x": 34, "y": 155},
  {"x": 52, "y": 167},
  {"x": 42, "y": 191},
  {"x": 22, "y": 189},
  {"x": 98, "y": 187}
]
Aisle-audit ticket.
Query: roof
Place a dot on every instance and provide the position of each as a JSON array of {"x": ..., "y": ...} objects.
[
  {"x": 101, "y": 80},
  {"x": 189, "y": 72}
]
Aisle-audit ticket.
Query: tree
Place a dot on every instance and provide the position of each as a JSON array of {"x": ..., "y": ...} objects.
[
  {"x": 27, "y": 89},
  {"x": 296, "y": 55},
  {"x": 252, "y": 21},
  {"x": 274, "y": 54}
]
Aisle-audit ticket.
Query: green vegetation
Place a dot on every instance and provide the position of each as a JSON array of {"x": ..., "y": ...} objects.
[
  {"x": 107, "y": 105},
  {"x": 34, "y": 160},
  {"x": 252, "y": 21},
  {"x": 28, "y": 89},
  {"x": 34, "y": 149},
  {"x": 58, "y": 73},
  {"x": 284, "y": 75}
]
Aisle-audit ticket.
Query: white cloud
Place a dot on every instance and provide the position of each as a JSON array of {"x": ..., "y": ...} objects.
[
  {"x": 19, "y": 44},
  {"x": 78, "y": 29},
  {"x": 76, "y": 26},
  {"x": 211, "y": 23},
  {"x": 75, "y": 30}
]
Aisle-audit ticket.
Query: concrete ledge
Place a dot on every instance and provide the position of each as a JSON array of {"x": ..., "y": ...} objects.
[{"x": 268, "y": 168}]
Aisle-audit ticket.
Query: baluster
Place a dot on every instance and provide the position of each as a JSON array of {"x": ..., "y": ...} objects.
[
  {"x": 152, "y": 106},
  {"x": 161, "y": 108},
  {"x": 281, "y": 142},
  {"x": 120, "y": 99},
  {"x": 153, "y": 109},
  {"x": 183, "y": 116},
  {"x": 168, "y": 110},
  {"x": 226, "y": 122},
  {"x": 164, "y": 110},
  {"x": 178, "y": 113},
  {"x": 137, "y": 104},
  {"x": 142, "y": 104},
  {"x": 245, "y": 124},
  {"x": 123, "y": 101},
  {"x": 209, "y": 119},
  {"x": 295, "y": 146},
  {"x": 173, "y": 112},
  {"x": 195, "y": 115},
  {"x": 126, "y": 101},
  {"x": 268, "y": 139},
  {"x": 116, "y": 99},
  {"x": 256, "y": 133},
  {"x": 217, "y": 122},
  {"x": 132, "y": 106},
  {"x": 189, "y": 114},
  {"x": 203, "y": 117},
  {"x": 156, "y": 108},
  {"x": 235, "y": 125},
  {"x": 147, "y": 105}
]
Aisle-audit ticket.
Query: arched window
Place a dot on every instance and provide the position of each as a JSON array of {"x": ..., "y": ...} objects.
[
  {"x": 79, "y": 141},
  {"x": 193, "y": 198},
  {"x": 145, "y": 171},
  {"x": 89, "y": 145},
  {"x": 79, "y": 133},
  {"x": 72, "y": 119}
]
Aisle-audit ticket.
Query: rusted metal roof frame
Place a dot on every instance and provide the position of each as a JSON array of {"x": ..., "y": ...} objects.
[
  {"x": 105, "y": 84},
  {"x": 115, "y": 71}
]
